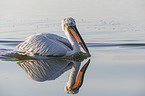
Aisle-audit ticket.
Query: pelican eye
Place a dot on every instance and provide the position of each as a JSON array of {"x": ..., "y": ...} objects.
[{"x": 71, "y": 23}]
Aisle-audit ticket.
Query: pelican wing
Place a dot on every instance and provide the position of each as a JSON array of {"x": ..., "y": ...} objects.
[{"x": 45, "y": 45}]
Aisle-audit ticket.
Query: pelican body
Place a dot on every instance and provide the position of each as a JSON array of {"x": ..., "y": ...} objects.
[{"x": 46, "y": 45}]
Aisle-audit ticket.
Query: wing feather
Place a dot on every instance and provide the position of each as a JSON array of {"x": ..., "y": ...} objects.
[{"x": 45, "y": 45}]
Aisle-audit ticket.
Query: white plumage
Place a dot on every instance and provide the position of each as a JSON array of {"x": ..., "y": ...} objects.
[{"x": 45, "y": 44}]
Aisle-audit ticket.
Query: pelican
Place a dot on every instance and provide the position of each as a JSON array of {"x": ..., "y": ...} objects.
[{"x": 45, "y": 45}]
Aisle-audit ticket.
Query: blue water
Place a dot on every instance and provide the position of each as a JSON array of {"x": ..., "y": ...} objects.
[{"x": 113, "y": 31}]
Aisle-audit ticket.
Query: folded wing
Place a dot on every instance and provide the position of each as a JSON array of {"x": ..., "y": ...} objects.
[{"x": 45, "y": 45}]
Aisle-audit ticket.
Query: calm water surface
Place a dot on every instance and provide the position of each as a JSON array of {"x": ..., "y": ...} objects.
[{"x": 114, "y": 32}]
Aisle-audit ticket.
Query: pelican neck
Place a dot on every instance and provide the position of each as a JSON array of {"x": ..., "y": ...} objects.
[{"x": 73, "y": 41}]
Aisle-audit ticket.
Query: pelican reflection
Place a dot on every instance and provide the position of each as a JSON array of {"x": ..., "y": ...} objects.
[{"x": 42, "y": 70}]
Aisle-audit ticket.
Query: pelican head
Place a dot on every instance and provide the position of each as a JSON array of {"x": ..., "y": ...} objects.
[
  {"x": 67, "y": 22},
  {"x": 69, "y": 25}
]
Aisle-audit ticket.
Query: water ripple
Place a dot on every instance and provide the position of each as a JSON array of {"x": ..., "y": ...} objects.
[
  {"x": 7, "y": 41},
  {"x": 116, "y": 45},
  {"x": 16, "y": 42},
  {"x": 10, "y": 42}
]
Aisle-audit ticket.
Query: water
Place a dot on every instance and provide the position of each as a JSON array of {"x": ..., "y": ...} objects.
[{"x": 113, "y": 30}]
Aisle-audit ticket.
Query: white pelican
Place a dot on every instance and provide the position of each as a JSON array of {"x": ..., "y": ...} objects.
[{"x": 46, "y": 45}]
